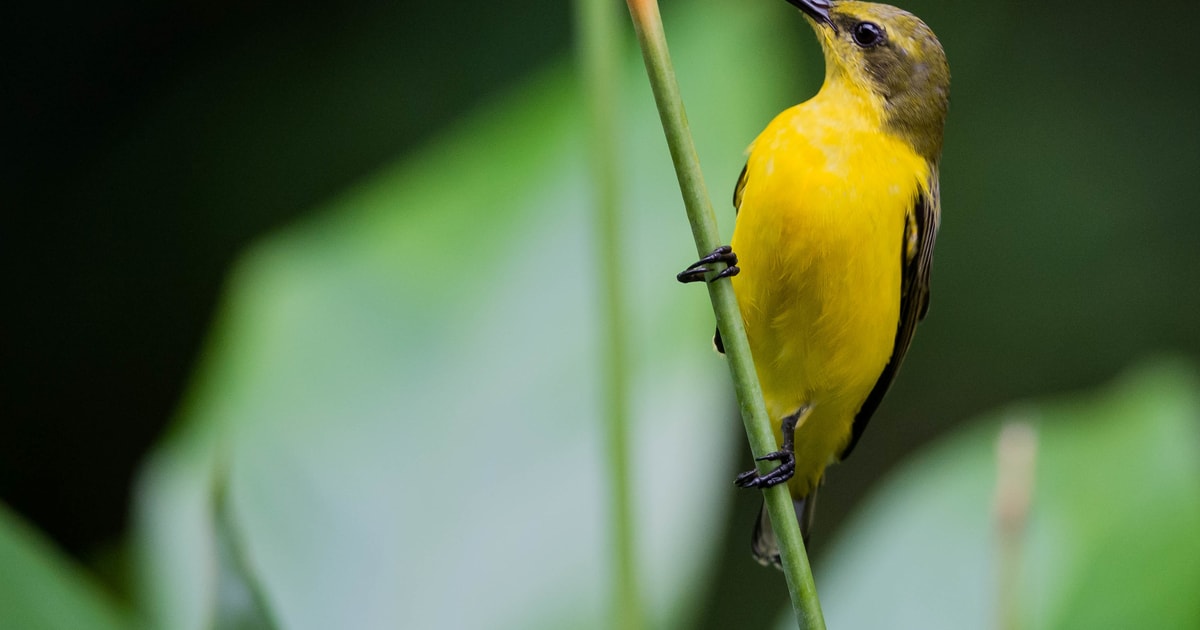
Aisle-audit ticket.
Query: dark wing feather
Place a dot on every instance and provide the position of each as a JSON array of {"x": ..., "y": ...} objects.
[
  {"x": 914, "y": 297},
  {"x": 737, "y": 204},
  {"x": 738, "y": 189}
]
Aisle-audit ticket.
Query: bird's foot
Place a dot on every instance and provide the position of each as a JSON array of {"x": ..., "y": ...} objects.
[
  {"x": 787, "y": 468},
  {"x": 697, "y": 270}
]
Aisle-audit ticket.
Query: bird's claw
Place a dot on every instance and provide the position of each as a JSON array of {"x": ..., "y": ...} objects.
[
  {"x": 699, "y": 269},
  {"x": 787, "y": 468}
]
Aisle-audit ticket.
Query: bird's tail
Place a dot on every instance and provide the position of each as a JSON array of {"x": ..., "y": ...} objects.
[{"x": 764, "y": 544}]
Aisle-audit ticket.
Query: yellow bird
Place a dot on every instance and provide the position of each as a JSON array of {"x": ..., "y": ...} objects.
[{"x": 837, "y": 212}]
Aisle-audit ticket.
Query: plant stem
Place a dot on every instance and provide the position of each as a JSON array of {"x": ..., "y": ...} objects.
[
  {"x": 1016, "y": 459},
  {"x": 598, "y": 39},
  {"x": 648, "y": 24}
]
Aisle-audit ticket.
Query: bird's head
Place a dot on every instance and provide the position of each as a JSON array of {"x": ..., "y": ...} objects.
[{"x": 894, "y": 56}]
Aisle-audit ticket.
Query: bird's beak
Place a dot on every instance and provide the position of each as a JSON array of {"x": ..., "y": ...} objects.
[{"x": 818, "y": 10}]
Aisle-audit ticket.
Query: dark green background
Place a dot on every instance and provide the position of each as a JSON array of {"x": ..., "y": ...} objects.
[{"x": 144, "y": 146}]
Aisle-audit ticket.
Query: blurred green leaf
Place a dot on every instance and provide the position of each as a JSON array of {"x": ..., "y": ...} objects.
[
  {"x": 42, "y": 590},
  {"x": 1111, "y": 541},
  {"x": 399, "y": 405}
]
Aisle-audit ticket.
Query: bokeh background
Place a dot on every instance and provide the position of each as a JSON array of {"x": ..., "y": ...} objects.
[{"x": 302, "y": 329}]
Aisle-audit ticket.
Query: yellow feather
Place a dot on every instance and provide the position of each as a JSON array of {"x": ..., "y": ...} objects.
[{"x": 819, "y": 237}]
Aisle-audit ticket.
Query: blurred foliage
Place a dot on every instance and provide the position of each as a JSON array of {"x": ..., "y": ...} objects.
[
  {"x": 393, "y": 394},
  {"x": 41, "y": 590},
  {"x": 1111, "y": 541},
  {"x": 145, "y": 145},
  {"x": 395, "y": 411}
]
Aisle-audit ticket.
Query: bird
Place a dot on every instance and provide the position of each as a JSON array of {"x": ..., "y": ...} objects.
[{"x": 837, "y": 210}]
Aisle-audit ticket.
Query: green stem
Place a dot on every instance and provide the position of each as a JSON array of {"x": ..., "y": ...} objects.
[
  {"x": 803, "y": 591},
  {"x": 598, "y": 38}
]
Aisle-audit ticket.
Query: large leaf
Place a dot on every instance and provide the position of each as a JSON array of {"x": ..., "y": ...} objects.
[
  {"x": 1112, "y": 537},
  {"x": 398, "y": 416},
  {"x": 42, "y": 590}
]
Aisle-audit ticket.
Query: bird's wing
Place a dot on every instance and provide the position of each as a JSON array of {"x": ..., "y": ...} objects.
[
  {"x": 737, "y": 204},
  {"x": 739, "y": 189},
  {"x": 917, "y": 257}
]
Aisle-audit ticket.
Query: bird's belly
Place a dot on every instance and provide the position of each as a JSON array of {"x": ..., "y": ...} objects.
[{"x": 821, "y": 323}]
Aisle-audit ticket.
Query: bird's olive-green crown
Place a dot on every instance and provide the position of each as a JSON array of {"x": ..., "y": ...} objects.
[{"x": 894, "y": 53}]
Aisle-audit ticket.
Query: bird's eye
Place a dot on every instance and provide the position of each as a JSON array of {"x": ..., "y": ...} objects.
[{"x": 867, "y": 34}]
